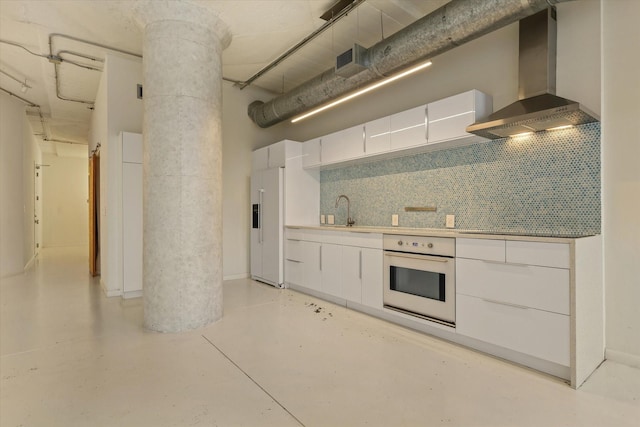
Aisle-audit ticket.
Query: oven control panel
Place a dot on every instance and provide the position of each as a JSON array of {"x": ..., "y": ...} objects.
[{"x": 426, "y": 245}]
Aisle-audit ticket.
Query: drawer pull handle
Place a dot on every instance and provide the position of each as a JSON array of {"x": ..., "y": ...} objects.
[
  {"x": 508, "y": 304},
  {"x": 515, "y": 264},
  {"x": 294, "y": 260}
]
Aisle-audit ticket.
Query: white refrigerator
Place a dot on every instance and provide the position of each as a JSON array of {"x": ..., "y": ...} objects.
[{"x": 267, "y": 226}]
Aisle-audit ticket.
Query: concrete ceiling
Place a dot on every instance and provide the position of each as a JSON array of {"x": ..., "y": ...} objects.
[{"x": 262, "y": 30}]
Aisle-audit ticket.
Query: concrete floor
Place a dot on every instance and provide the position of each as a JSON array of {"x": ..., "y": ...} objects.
[{"x": 72, "y": 357}]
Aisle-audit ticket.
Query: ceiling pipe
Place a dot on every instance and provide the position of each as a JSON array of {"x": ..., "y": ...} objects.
[{"x": 452, "y": 25}]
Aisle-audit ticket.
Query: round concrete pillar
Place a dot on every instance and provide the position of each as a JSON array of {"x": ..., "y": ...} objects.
[{"x": 182, "y": 185}]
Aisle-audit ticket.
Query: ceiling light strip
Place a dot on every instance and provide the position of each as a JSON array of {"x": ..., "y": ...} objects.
[{"x": 363, "y": 91}]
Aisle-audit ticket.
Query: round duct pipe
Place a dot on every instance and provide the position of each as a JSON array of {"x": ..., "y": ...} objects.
[{"x": 452, "y": 25}]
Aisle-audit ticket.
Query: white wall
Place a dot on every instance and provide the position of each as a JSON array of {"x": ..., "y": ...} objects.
[
  {"x": 621, "y": 177},
  {"x": 12, "y": 117},
  {"x": 32, "y": 155},
  {"x": 117, "y": 109},
  {"x": 18, "y": 154},
  {"x": 240, "y": 136},
  {"x": 64, "y": 201}
]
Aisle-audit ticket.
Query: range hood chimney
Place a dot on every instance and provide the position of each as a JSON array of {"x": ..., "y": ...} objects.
[{"x": 538, "y": 108}]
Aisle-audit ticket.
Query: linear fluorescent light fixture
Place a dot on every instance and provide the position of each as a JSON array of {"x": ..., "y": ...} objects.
[{"x": 363, "y": 91}]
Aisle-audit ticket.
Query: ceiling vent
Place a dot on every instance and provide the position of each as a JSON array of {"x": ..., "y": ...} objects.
[{"x": 351, "y": 62}]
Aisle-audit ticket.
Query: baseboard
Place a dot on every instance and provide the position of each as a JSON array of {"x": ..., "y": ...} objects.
[
  {"x": 31, "y": 262},
  {"x": 622, "y": 358},
  {"x": 109, "y": 292},
  {"x": 236, "y": 276},
  {"x": 132, "y": 294}
]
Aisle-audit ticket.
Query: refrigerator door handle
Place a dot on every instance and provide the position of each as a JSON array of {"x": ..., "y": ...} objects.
[{"x": 260, "y": 229}]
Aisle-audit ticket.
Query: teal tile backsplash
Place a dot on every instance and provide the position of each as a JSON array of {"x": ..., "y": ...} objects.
[{"x": 548, "y": 182}]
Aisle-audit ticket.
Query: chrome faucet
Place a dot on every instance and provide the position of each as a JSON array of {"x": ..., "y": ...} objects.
[{"x": 350, "y": 221}]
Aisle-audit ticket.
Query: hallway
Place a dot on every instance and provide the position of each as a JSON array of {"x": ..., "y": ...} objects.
[{"x": 72, "y": 357}]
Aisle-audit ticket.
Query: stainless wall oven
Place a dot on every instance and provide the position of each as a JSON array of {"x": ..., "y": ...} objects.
[{"x": 419, "y": 276}]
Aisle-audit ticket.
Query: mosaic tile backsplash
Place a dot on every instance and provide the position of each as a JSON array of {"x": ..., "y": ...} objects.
[{"x": 546, "y": 183}]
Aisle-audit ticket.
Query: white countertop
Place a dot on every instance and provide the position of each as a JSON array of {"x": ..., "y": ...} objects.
[{"x": 443, "y": 232}]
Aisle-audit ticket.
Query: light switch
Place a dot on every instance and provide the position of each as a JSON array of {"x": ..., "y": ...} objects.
[
  {"x": 450, "y": 221},
  {"x": 394, "y": 220}
]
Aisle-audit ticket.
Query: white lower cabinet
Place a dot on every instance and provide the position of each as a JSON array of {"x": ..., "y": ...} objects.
[
  {"x": 339, "y": 264},
  {"x": 352, "y": 273},
  {"x": 534, "y": 332},
  {"x": 372, "y": 274},
  {"x": 330, "y": 265},
  {"x": 523, "y": 306}
]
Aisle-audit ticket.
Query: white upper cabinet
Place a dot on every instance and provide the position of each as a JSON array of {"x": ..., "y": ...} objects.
[
  {"x": 448, "y": 118},
  {"x": 260, "y": 159},
  {"x": 311, "y": 153},
  {"x": 377, "y": 138},
  {"x": 408, "y": 128},
  {"x": 277, "y": 155},
  {"x": 272, "y": 156},
  {"x": 434, "y": 126},
  {"x": 343, "y": 145}
]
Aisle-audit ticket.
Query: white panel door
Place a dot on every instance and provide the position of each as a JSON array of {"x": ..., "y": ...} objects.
[
  {"x": 408, "y": 128},
  {"x": 352, "y": 273},
  {"x": 330, "y": 264},
  {"x": 311, "y": 153},
  {"x": 343, "y": 145},
  {"x": 377, "y": 137},
  {"x": 132, "y": 227},
  {"x": 256, "y": 232},
  {"x": 372, "y": 274},
  {"x": 272, "y": 232}
]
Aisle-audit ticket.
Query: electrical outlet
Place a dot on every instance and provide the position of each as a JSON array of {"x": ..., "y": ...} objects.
[
  {"x": 450, "y": 221},
  {"x": 330, "y": 219},
  {"x": 394, "y": 220},
  {"x": 322, "y": 219}
]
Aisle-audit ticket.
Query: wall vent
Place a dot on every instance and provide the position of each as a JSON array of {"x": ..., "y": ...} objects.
[{"x": 351, "y": 62}]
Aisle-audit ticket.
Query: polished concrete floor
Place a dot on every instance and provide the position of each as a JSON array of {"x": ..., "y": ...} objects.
[{"x": 72, "y": 357}]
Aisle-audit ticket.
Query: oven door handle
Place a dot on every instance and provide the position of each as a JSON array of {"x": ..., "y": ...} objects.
[{"x": 414, "y": 256}]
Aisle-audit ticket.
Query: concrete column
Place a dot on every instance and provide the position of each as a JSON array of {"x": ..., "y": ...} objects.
[{"x": 182, "y": 252}]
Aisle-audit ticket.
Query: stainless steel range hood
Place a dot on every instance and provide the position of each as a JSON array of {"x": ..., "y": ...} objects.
[{"x": 538, "y": 107}]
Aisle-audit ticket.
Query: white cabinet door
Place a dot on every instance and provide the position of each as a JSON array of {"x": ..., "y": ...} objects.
[
  {"x": 535, "y": 332},
  {"x": 131, "y": 228},
  {"x": 372, "y": 273},
  {"x": 312, "y": 265},
  {"x": 538, "y": 253},
  {"x": 311, "y": 153},
  {"x": 260, "y": 159},
  {"x": 276, "y": 158},
  {"x": 448, "y": 118},
  {"x": 352, "y": 273},
  {"x": 343, "y": 145},
  {"x": 485, "y": 249},
  {"x": 330, "y": 265},
  {"x": 377, "y": 136},
  {"x": 408, "y": 128},
  {"x": 543, "y": 288}
]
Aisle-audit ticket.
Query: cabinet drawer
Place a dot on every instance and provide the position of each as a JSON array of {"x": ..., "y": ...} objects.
[
  {"x": 362, "y": 240},
  {"x": 537, "y": 333},
  {"x": 531, "y": 286},
  {"x": 294, "y": 272},
  {"x": 293, "y": 250},
  {"x": 538, "y": 253},
  {"x": 489, "y": 250},
  {"x": 294, "y": 234}
]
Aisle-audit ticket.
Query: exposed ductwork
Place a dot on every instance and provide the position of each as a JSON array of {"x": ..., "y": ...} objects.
[{"x": 452, "y": 25}]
